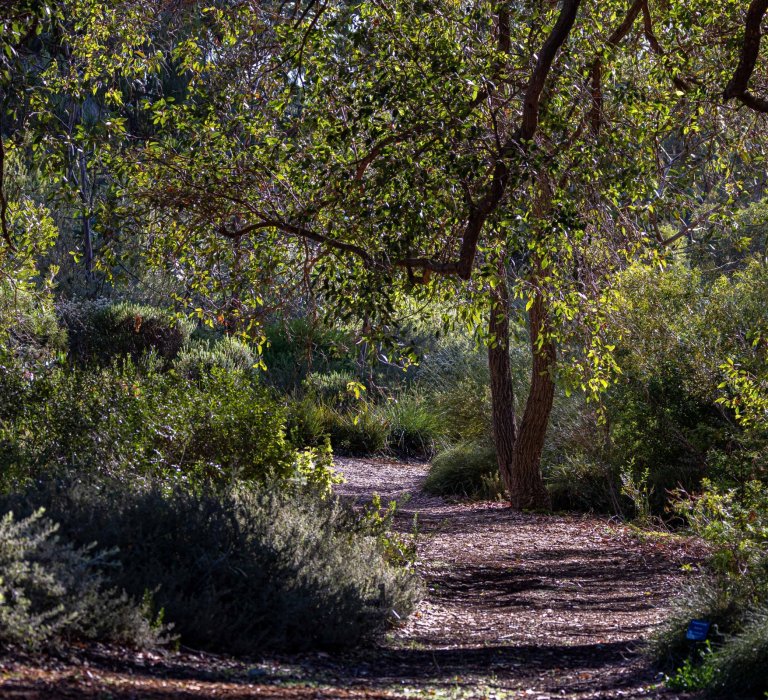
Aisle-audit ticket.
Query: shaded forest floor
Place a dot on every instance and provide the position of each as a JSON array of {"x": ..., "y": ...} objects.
[{"x": 517, "y": 606}]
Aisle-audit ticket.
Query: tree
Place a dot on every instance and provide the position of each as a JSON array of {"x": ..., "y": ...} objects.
[{"x": 508, "y": 158}]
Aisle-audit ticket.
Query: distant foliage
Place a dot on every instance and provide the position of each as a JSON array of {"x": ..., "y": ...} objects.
[
  {"x": 241, "y": 570},
  {"x": 129, "y": 418},
  {"x": 102, "y": 330},
  {"x": 199, "y": 359}
]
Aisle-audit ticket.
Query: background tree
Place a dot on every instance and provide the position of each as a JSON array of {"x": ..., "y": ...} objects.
[{"x": 510, "y": 159}]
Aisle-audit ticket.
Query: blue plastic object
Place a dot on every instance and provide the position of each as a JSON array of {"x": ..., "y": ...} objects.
[{"x": 697, "y": 630}]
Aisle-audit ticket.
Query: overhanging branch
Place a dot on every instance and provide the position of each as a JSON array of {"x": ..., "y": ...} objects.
[{"x": 738, "y": 87}]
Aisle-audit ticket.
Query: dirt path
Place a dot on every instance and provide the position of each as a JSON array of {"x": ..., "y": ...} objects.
[
  {"x": 517, "y": 606},
  {"x": 549, "y": 606}
]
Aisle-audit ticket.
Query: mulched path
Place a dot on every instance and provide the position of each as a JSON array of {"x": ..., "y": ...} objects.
[{"x": 517, "y": 606}]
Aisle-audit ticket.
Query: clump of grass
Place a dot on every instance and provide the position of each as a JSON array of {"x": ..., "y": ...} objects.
[
  {"x": 414, "y": 426},
  {"x": 467, "y": 470}
]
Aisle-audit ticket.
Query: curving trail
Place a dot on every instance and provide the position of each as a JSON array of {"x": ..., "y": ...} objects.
[{"x": 531, "y": 605}]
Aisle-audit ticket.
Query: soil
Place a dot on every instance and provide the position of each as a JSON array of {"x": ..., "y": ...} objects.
[{"x": 517, "y": 605}]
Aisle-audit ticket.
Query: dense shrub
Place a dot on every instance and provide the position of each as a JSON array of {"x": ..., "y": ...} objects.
[
  {"x": 307, "y": 421},
  {"x": 101, "y": 330},
  {"x": 740, "y": 666},
  {"x": 362, "y": 430},
  {"x": 137, "y": 418},
  {"x": 240, "y": 570},
  {"x": 298, "y": 347},
  {"x": 201, "y": 358},
  {"x": 467, "y": 470},
  {"x": 29, "y": 329},
  {"x": 733, "y": 597},
  {"x": 51, "y": 590}
]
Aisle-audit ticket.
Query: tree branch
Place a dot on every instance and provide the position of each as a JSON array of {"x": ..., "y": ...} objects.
[
  {"x": 549, "y": 49},
  {"x": 738, "y": 87},
  {"x": 3, "y": 200},
  {"x": 614, "y": 40}
]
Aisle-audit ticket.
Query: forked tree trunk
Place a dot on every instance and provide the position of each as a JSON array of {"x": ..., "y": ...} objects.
[{"x": 518, "y": 450}]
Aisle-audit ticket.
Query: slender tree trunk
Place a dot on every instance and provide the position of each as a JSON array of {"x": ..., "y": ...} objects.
[
  {"x": 502, "y": 389},
  {"x": 527, "y": 488}
]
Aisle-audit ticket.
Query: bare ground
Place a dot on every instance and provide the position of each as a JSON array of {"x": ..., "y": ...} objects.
[{"x": 517, "y": 606}]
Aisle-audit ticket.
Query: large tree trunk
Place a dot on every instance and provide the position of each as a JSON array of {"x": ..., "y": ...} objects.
[
  {"x": 528, "y": 490},
  {"x": 518, "y": 450}
]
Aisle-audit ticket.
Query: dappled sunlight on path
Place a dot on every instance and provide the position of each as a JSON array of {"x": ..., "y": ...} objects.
[{"x": 553, "y": 604}]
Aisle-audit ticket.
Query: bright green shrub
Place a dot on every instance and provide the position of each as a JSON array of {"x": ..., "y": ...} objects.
[
  {"x": 99, "y": 331},
  {"x": 199, "y": 359},
  {"x": 467, "y": 470},
  {"x": 51, "y": 590},
  {"x": 241, "y": 570}
]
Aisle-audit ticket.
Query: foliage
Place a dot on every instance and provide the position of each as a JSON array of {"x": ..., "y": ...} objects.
[
  {"x": 739, "y": 666},
  {"x": 362, "y": 430},
  {"x": 228, "y": 354},
  {"x": 692, "y": 675},
  {"x": 467, "y": 470},
  {"x": 99, "y": 331},
  {"x": 51, "y": 590},
  {"x": 240, "y": 570},
  {"x": 733, "y": 599},
  {"x": 414, "y": 425},
  {"x": 298, "y": 348},
  {"x": 129, "y": 418},
  {"x": 735, "y": 522}
]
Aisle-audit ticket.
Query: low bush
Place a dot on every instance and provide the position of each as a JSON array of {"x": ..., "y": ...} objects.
[
  {"x": 467, "y": 470},
  {"x": 297, "y": 347},
  {"x": 29, "y": 329},
  {"x": 739, "y": 667},
  {"x": 201, "y": 358},
  {"x": 51, "y": 590},
  {"x": 336, "y": 389},
  {"x": 733, "y": 597},
  {"x": 362, "y": 430},
  {"x": 581, "y": 482},
  {"x": 240, "y": 570},
  {"x": 99, "y": 331},
  {"x": 414, "y": 425},
  {"x": 307, "y": 422}
]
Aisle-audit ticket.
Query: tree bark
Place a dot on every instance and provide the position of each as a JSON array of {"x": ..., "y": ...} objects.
[
  {"x": 527, "y": 490},
  {"x": 518, "y": 449},
  {"x": 502, "y": 389}
]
